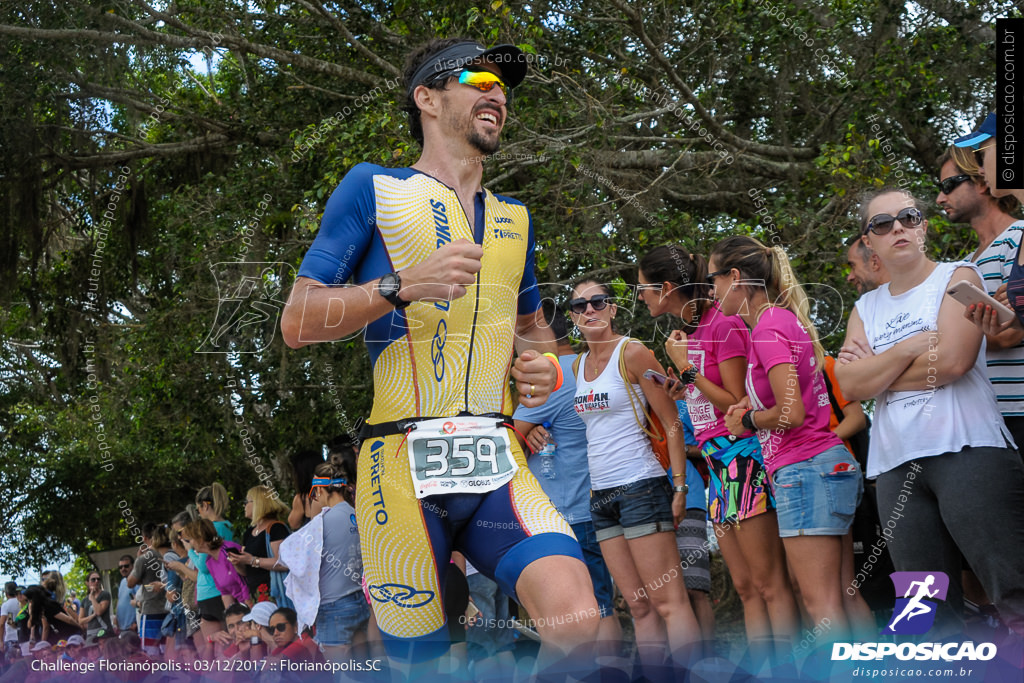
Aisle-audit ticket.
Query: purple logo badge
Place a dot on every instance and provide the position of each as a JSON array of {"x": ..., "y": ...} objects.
[{"x": 917, "y": 596}]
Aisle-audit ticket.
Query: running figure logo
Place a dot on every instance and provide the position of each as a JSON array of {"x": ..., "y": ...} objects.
[{"x": 914, "y": 613}]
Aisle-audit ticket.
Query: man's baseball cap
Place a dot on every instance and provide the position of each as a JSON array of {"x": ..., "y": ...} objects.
[
  {"x": 508, "y": 58},
  {"x": 76, "y": 640},
  {"x": 260, "y": 613},
  {"x": 42, "y": 645},
  {"x": 986, "y": 130}
]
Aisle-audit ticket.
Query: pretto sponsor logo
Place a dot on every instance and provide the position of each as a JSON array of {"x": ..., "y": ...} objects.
[
  {"x": 507, "y": 234},
  {"x": 914, "y": 614}
]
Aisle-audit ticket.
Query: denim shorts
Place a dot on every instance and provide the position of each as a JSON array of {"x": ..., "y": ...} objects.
[
  {"x": 812, "y": 498},
  {"x": 338, "y": 621},
  {"x": 632, "y": 510}
]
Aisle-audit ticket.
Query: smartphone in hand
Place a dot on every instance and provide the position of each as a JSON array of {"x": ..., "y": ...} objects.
[
  {"x": 968, "y": 293},
  {"x": 656, "y": 377}
]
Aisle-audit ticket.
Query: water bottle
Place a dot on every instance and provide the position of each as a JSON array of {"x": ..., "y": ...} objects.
[{"x": 547, "y": 455}]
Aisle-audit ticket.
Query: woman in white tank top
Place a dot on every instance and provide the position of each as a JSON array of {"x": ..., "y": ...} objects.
[
  {"x": 633, "y": 507},
  {"x": 939, "y": 447}
]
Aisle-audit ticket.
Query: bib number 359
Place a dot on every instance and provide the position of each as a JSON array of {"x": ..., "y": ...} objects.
[{"x": 461, "y": 456}]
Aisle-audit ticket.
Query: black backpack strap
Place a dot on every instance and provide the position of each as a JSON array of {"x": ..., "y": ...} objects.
[{"x": 832, "y": 397}]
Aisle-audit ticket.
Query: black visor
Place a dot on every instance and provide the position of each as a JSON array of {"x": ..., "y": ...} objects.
[{"x": 508, "y": 58}]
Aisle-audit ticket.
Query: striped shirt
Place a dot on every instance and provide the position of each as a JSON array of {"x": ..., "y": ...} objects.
[{"x": 1005, "y": 366}]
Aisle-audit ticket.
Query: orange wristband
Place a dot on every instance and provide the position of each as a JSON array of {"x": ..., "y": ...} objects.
[{"x": 558, "y": 369}]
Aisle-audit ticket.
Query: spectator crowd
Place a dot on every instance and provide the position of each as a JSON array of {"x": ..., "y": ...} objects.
[{"x": 773, "y": 465}]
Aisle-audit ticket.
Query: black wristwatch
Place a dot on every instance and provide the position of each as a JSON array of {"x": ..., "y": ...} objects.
[
  {"x": 748, "y": 421},
  {"x": 689, "y": 376},
  {"x": 389, "y": 286}
]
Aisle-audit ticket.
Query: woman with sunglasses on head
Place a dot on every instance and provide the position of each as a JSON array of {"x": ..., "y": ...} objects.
[
  {"x": 815, "y": 480},
  {"x": 633, "y": 508},
  {"x": 711, "y": 353},
  {"x": 212, "y": 503},
  {"x": 262, "y": 542},
  {"x": 939, "y": 447}
]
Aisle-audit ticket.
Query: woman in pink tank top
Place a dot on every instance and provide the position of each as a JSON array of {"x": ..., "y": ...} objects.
[{"x": 817, "y": 482}]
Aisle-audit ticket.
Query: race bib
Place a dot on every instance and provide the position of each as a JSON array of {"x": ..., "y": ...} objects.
[{"x": 460, "y": 455}]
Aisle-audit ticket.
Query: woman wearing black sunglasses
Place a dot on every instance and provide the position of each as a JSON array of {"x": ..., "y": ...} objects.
[
  {"x": 711, "y": 351},
  {"x": 633, "y": 508},
  {"x": 938, "y": 442}
]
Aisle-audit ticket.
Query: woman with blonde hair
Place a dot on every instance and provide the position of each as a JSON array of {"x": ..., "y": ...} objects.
[
  {"x": 262, "y": 543},
  {"x": 53, "y": 581},
  {"x": 212, "y": 503},
  {"x": 816, "y": 481},
  {"x": 937, "y": 423}
]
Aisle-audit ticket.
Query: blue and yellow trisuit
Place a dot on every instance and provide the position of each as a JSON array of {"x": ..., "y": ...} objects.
[{"x": 435, "y": 359}]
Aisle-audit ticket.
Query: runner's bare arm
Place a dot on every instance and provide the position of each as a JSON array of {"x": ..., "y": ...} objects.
[
  {"x": 316, "y": 312},
  {"x": 535, "y": 375}
]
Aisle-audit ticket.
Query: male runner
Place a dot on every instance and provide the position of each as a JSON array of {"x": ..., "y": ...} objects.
[{"x": 446, "y": 289}]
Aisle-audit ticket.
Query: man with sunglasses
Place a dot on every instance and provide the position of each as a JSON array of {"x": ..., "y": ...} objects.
[
  {"x": 447, "y": 294},
  {"x": 966, "y": 198},
  {"x": 124, "y": 618}
]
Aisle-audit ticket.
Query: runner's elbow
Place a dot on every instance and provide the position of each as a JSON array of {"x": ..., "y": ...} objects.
[{"x": 291, "y": 328}]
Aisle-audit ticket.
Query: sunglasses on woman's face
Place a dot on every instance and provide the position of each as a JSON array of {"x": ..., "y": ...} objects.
[
  {"x": 278, "y": 628},
  {"x": 598, "y": 303},
  {"x": 95, "y": 578},
  {"x": 712, "y": 276},
  {"x": 883, "y": 223}
]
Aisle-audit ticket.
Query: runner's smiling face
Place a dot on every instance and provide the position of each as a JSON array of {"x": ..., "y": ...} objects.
[{"x": 475, "y": 116}]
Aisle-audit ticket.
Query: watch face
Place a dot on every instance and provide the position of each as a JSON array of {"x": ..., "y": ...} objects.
[{"x": 389, "y": 285}]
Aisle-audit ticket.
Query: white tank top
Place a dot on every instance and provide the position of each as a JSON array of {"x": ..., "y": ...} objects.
[
  {"x": 918, "y": 424},
  {"x": 618, "y": 450}
]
